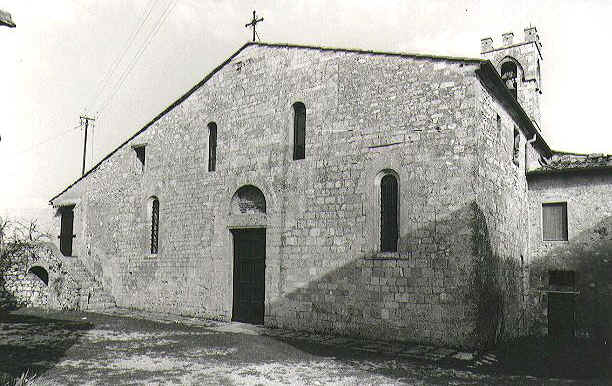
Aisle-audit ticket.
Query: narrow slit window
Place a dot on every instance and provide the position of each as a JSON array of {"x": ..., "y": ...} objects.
[
  {"x": 154, "y": 226},
  {"x": 516, "y": 146},
  {"x": 388, "y": 213},
  {"x": 554, "y": 221},
  {"x": 212, "y": 147},
  {"x": 299, "y": 131}
]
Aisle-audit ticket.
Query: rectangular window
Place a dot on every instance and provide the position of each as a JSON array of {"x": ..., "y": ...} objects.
[
  {"x": 554, "y": 221},
  {"x": 140, "y": 154}
]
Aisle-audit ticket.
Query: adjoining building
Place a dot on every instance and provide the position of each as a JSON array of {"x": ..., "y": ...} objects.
[{"x": 387, "y": 195}]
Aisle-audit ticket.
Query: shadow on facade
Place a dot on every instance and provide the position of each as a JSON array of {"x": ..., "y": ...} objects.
[
  {"x": 35, "y": 344},
  {"x": 446, "y": 287},
  {"x": 589, "y": 255},
  {"x": 584, "y": 352}
]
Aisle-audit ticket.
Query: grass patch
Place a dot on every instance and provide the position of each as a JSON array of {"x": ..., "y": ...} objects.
[{"x": 32, "y": 345}]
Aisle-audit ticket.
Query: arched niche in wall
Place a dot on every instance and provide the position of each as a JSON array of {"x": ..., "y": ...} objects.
[
  {"x": 248, "y": 199},
  {"x": 41, "y": 273}
]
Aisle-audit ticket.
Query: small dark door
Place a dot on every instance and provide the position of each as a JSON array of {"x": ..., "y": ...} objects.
[
  {"x": 561, "y": 310},
  {"x": 66, "y": 230},
  {"x": 249, "y": 275}
]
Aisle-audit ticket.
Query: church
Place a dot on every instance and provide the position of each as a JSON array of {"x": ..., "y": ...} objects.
[{"x": 394, "y": 196}]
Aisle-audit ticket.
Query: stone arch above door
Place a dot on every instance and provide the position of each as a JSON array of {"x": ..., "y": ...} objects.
[{"x": 248, "y": 199}]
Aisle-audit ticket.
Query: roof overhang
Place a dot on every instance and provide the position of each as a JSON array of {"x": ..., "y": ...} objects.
[{"x": 594, "y": 170}]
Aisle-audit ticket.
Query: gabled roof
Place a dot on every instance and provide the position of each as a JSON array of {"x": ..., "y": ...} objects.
[
  {"x": 487, "y": 72},
  {"x": 157, "y": 117}
]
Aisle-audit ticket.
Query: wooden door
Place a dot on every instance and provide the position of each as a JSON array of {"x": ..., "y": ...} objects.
[
  {"x": 561, "y": 311},
  {"x": 66, "y": 230},
  {"x": 249, "y": 275}
]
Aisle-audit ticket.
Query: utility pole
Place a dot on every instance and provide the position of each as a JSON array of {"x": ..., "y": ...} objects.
[
  {"x": 253, "y": 23},
  {"x": 86, "y": 120}
]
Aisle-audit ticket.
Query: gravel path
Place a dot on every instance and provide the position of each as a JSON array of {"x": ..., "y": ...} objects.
[{"x": 126, "y": 347}]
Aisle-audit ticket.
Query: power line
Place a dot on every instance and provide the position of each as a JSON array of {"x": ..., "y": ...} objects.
[
  {"x": 28, "y": 149},
  {"x": 150, "y": 37},
  {"x": 106, "y": 79}
]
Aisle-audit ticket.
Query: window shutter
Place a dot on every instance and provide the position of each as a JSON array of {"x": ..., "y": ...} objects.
[{"x": 554, "y": 221}]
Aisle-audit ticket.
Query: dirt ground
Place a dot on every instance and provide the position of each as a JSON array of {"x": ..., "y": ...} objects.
[{"x": 90, "y": 349}]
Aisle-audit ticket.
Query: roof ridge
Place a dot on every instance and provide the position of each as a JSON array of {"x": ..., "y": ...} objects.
[{"x": 366, "y": 51}]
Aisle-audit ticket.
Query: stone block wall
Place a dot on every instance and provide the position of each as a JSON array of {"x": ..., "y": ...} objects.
[
  {"x": 501, "y": 221},
  {"x": 366, "y": 114},
  {"x": 587, "y": 252}
]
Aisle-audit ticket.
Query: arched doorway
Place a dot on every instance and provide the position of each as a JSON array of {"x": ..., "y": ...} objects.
[{"x": 249, "y": 258}]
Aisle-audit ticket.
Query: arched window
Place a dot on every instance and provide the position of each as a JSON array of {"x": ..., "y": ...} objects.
[
  {"x": 299, "y": 131},
  {"x": 154, "y": 213},
  {"x": 212, "y": 146},
  {"x": 509, "y": 74},
  {"x": 389, "y": 230}
]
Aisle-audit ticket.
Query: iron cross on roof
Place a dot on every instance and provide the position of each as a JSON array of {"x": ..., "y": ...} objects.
[{"x": 253, "y": 23}]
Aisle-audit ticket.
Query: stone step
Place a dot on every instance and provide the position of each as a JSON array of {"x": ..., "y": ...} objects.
[
  {"x": 92, "y": 293},
  {"x": 100, "y": 306}
]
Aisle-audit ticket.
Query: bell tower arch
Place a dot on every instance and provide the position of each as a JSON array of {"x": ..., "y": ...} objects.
[{"x": 519, "y": 65}]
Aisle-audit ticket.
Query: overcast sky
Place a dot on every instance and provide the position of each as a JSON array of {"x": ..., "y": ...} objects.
[{"x": 58, "y": 64}]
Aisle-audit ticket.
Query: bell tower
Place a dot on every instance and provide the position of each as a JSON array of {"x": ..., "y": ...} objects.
[{"x": 518, "y": 64}]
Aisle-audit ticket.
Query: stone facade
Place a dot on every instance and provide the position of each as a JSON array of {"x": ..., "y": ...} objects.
[
  {"x": 588, "y": 249},
  {"x": 445, "y": 128}
]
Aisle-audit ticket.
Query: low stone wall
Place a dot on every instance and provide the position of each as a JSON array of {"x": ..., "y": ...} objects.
[
  {"x": 42, "y": 279},
  {"x": 24, "y": 288}
]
